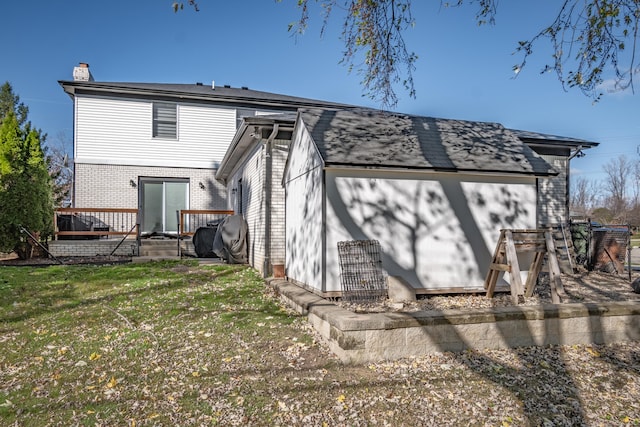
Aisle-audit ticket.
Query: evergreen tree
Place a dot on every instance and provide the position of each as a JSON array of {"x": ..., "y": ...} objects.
[
  {"x": 25, "y": 184},
  {"x": 11, "y": 102}
]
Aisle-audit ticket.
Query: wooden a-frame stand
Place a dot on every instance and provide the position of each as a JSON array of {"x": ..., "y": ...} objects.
[{"x": 505, "y": 259}]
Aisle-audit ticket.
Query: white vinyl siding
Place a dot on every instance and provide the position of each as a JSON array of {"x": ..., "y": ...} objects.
[
  {"x": 552, "y": 193},
  {"x": 304, "y": 217},
  {"x": 436, "y": 231},
  {"x": 248, "y": 182},
  {"x": 118, "y": 131},
  {"x": 165, "y": 120}
]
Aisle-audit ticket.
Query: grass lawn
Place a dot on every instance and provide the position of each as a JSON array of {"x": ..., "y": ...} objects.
[
  {"x": 118, "y": 345},
  {"x": 177, "y": 343}
]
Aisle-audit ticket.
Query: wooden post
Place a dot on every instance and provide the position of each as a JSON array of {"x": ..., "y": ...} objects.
[
  {"x": 514, "y": 272},
  {"x": 557, "y": 290},
  {"x": 497, "y": 265}
]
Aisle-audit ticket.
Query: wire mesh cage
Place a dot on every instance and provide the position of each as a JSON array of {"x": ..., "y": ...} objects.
[
  {"x": 610, "y": 245},
  {"x": 601, "y": 247},
  {"x": 362, "y": 277}
]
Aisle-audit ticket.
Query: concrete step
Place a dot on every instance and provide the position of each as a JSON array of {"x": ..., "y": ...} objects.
[
  {"x": 160, "y": 253},
  {"x": 159, "y": 247},
  {"x": 187, "y": 248},
  {"x": 141, "y": 259},
  {"x": 158, "y": 243}
]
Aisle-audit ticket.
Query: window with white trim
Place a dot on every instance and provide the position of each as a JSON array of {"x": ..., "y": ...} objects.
[{"x": 165, "y": 120}]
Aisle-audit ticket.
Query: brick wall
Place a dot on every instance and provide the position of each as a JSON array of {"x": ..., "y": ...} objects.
[
  {"x": 278, "y": 204},
  {"x": 109, "y": 186},
  {"x": 68, "y": 248}
]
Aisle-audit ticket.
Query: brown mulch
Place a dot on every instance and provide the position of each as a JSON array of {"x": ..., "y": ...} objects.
[{"x": 583, "y": 287}]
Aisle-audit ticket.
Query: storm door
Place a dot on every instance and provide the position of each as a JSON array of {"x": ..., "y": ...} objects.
[{"x": 160, "y": 199}]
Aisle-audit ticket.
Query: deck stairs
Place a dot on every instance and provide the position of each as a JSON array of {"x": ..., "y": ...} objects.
[{"x": 158, "y": 249}]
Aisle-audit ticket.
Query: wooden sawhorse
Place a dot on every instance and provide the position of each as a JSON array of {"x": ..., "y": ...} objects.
[{"x": 505, "y": 259}]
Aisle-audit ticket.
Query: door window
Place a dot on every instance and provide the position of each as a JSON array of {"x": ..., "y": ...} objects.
[{"x": 161, "y": 200}]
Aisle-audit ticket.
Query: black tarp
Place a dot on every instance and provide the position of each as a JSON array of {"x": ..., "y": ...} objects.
[
  {"x": 230, "y": 242},
  {"x": 203, "y": 241},
  {"x": 226, "y": 239}
]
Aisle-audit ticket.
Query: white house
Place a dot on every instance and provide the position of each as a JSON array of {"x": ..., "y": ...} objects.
[
  {"x": 156, "y": 147},
  {"x": 433, "y": 191}
]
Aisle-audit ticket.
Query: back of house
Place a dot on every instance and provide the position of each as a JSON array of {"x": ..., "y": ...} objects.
[{"x": 156, "y": 147}]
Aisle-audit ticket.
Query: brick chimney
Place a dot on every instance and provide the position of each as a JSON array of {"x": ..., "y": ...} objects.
[{"x": 81, "y": 73}]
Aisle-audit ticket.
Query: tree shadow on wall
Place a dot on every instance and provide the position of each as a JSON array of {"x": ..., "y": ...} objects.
[{"x": 414, "y": 214}]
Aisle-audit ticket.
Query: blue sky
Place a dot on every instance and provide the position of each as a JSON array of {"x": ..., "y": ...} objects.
[{"x": 464, "y": 70}]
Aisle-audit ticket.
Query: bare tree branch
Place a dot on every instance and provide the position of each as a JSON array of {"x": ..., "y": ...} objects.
[{"x": 594, "y": 42}]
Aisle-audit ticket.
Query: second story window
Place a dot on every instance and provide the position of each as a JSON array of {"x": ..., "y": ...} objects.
[{"x": 165, "y": 120}]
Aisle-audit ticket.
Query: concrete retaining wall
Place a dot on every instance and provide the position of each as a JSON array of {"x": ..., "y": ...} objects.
[
  {"x": 69, "y": 248},
  {"x": 359, "y": 338}
]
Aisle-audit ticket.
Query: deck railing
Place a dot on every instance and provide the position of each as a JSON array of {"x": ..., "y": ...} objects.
[
  {"x": 192, "y": 219},
  {"x": 95, "y": 222}
]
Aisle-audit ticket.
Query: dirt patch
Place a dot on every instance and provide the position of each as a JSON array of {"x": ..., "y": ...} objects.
[{"x": 43, "y": 262}]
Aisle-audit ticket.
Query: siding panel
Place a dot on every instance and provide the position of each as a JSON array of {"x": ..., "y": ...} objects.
[
  {"x": 253, "y": 206},
  {"x": 436, "y": 231},
  {"x": 552, "y": 193},
  {"x": 304, "y": 217},
  {"x": 118, "y": 132}
]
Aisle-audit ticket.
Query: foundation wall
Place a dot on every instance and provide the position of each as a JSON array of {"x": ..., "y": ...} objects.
[
  {"x": 86, "y": 248},
  {"x": 361, "y": 338}
]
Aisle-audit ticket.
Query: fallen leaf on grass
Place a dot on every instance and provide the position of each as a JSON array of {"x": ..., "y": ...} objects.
[{"x": 112, "y": 382}]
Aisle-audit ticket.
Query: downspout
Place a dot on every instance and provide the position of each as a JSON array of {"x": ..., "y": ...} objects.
[{"x": 267, "y": 267}]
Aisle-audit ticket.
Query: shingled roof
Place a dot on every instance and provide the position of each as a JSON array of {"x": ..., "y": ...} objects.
[
  {"x": 197, "y": 92},
  {"x": 372, "y": 138}
]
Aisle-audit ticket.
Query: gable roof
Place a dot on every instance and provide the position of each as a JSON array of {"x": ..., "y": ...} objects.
[
  {"x": 244, "y": 140},
  {"x": 372, "y": 138},
  {"x": 196, "y": 92},
  {"x": 542, "y": 139}
]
